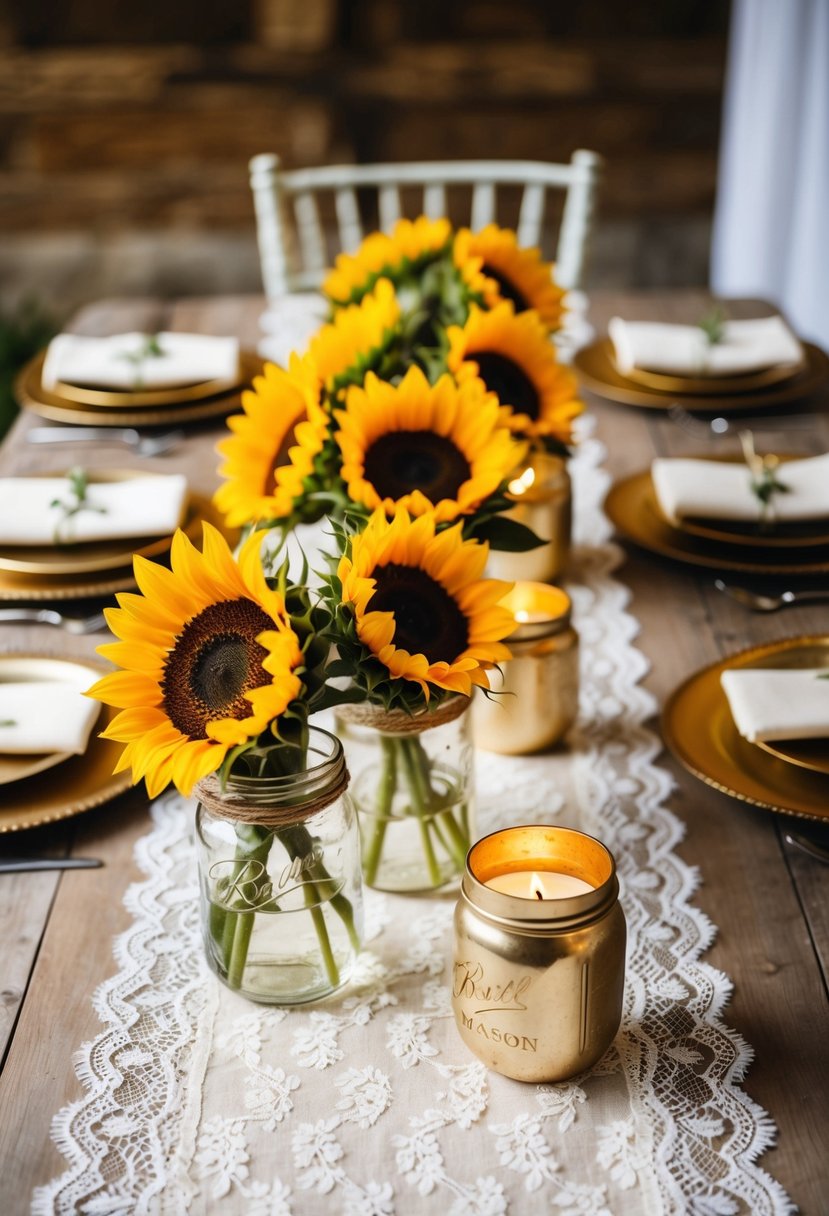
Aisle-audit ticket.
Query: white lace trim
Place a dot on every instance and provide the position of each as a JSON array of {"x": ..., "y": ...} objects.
[{"x": 186, "y": 1084}]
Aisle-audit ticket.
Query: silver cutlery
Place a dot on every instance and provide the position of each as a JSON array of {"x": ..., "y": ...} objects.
[
  {"x": 714, "y": 427},
  {"x": 144, "y": 445},
  {"x": 810, "y": 847},
  {"x": 764, "y": 602},
  {"x": 49, "y": 616},
  {"x": 20, "y": 865}
]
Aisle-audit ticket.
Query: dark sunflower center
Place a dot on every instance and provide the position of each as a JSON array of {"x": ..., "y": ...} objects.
[
  {"x": 510, "y": 383},
  {"x": 427, "y": 619},
  {"x": 403, "y": 461},
  {"x": 215, "y": 661},
  {"x": 507, "y": 289}
]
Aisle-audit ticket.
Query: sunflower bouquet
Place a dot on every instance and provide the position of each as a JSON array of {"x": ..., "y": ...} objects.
[
  {"x": 417, "y": 629},
  {"x": 219, "y": 669}
]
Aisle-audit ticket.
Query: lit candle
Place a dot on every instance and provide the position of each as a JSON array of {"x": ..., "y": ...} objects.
[
  {"x": 537, "y": 983},
  {"x": 538, "y": 687},
  {"x": 541, "y": 496},
  {"x": 548, "y": 884}
]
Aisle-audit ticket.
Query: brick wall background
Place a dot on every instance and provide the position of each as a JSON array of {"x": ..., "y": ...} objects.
[{"x": 125, "y": 129}]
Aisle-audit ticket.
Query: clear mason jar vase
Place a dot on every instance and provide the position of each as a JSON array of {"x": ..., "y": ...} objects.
[
  {"x": 279, "y": 870},
  {"x": 413, "y": 787}
]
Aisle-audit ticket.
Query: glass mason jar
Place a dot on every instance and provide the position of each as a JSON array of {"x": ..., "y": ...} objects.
[
  {"x": 279, "y": 870},
  {"x": 413, "y": 787},
  {"x": 542, "y": 493}
]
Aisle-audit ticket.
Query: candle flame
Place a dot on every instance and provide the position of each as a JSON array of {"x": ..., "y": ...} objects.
[
  {"x": 521, "y": 484},
  {"x": 537, "y": 886},
  {"x": 522, "y": 616}
]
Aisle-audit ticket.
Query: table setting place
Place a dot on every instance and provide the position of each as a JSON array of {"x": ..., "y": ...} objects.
[{"x": 411, "y": 927}]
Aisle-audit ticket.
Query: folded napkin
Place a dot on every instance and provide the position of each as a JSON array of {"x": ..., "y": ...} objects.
[
  {"x": 142, "y": 506},
  {"x": 778, "y": 704},
  {"x": 712, "y": 489},
  {"x": 45, "y": 716},
  {"x": 123, "y": 361},
  {"x": 747, "y": 346}
]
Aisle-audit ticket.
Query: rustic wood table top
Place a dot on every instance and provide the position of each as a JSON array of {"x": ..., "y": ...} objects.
[{"x": 768, "y": 899}]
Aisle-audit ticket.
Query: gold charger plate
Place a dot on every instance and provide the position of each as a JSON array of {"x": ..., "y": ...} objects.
[
  {"x": 34, "y": 397},
  {"x": 725, "y": 385},
  {"x": 20, "y": 588},
  {"x": 598, "y": 373},
  {"x": 80, "y": 782},
  {"x": 804, "y": 535},
  {"x": 698, "y": 728},
  {"x": 17, "y": 768},
  {"x": 632, "y": 508},
  {"x": 89, "y": 556}
]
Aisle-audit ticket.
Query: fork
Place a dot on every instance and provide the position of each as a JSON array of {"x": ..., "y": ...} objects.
[
  {"x": 144, "y": 445},
  {"x": 758, "y": 602},
  {"x": 48, "y": 616},
  {"x": 721, "y": 426}
]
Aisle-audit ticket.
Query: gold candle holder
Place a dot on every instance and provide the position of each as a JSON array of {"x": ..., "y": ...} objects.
[
  {"x": 538, "y": 981},
  {"x": 538, "y": 688},
  {"x": 542, "y": 495}
]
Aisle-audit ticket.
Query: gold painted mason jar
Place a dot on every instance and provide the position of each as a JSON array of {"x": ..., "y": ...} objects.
[
  {"x": 542, "y": 493},
  {"x": 413, "y": 789},
  {"x": 538, "y": 982},
  {"x": 279, "y": 871},
  {"x": 538, "y": 687}
]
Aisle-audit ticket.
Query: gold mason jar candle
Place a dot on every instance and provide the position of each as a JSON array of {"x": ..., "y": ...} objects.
[
  {"x": 538, "y": 688},
  {"x": 542, "y": 493},
  {"x": 539, "y": 955}
]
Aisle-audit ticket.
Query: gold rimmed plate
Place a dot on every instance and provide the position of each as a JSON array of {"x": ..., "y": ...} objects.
[
  {"x": 32, "y": 396},
  {"x": 632, "y": 507},
  {"x": 805, "y": 534},
  {"x": 88, "y": 557},
  {"x": 724, "y": 386},
  {"x": 598, "y": 373},
  {"x": 16, "y": 587},
  {"x": 76, "y": 783},
  {"x": 698, "y": 728},
  {"x": 18, "y": 768}
]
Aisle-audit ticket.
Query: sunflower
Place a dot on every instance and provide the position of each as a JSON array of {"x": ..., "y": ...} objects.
[
  {"x": 423, "y": 447},
  {"x": 515, "y": 359},
  {"x": 208, "y": 660},
  {"x": 411, "y": 244},
  {"x": 356, "y": 337},
  {"x": 420, "y": 604},
  {"x": 273, "y": 445},
  {"x": 495, "y": 266}
]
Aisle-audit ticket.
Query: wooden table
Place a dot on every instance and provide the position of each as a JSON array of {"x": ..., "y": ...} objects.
[{"x": 767, "y": 899}]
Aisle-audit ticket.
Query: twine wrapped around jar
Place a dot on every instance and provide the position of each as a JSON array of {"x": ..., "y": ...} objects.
[
  {"x": 235, "y": 804},
  {"x": 397, "y": 721}
]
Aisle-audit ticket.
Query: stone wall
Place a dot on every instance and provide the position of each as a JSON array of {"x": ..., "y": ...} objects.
[{"x": 125, "y": 130}]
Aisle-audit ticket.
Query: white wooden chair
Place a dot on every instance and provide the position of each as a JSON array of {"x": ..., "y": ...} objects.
[{"x": 293, "y": 247}]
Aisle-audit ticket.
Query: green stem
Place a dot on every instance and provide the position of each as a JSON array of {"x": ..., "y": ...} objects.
[
  {"x": 379, "y": 821},
  {"x": 242, "y": 930},
  {"x": 318, "y": 917},
  {"x": 420, "y": 809}
]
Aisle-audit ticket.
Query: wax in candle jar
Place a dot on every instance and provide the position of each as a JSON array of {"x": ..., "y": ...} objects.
[{"x": 530, "y": 884}]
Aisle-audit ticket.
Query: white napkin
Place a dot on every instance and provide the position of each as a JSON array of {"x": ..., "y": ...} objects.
[
  {"x": 45, "y": 716},
  {"x": 712, "y": 489},
  {"x": 115, "y": 362},
  {"x": 142, "y": 506},
  {"x": 778, "y": 704},
  {"x": 747, "y": 346}
]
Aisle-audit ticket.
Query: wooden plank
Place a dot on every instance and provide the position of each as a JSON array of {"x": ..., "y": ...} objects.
[{"x": 764, "y": 941}]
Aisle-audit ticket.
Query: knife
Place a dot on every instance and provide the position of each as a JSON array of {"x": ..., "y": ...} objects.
[{"x": 17, "y": 865}]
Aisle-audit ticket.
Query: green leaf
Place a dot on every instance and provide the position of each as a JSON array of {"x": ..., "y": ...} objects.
[{"x": 507, "y": 535}]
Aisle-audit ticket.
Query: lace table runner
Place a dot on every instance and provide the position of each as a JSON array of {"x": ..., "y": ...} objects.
[{"x": 369, "y": 1105}]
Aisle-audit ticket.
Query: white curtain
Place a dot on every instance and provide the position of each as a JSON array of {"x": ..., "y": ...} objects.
[{"x": 771, "y": 225}]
